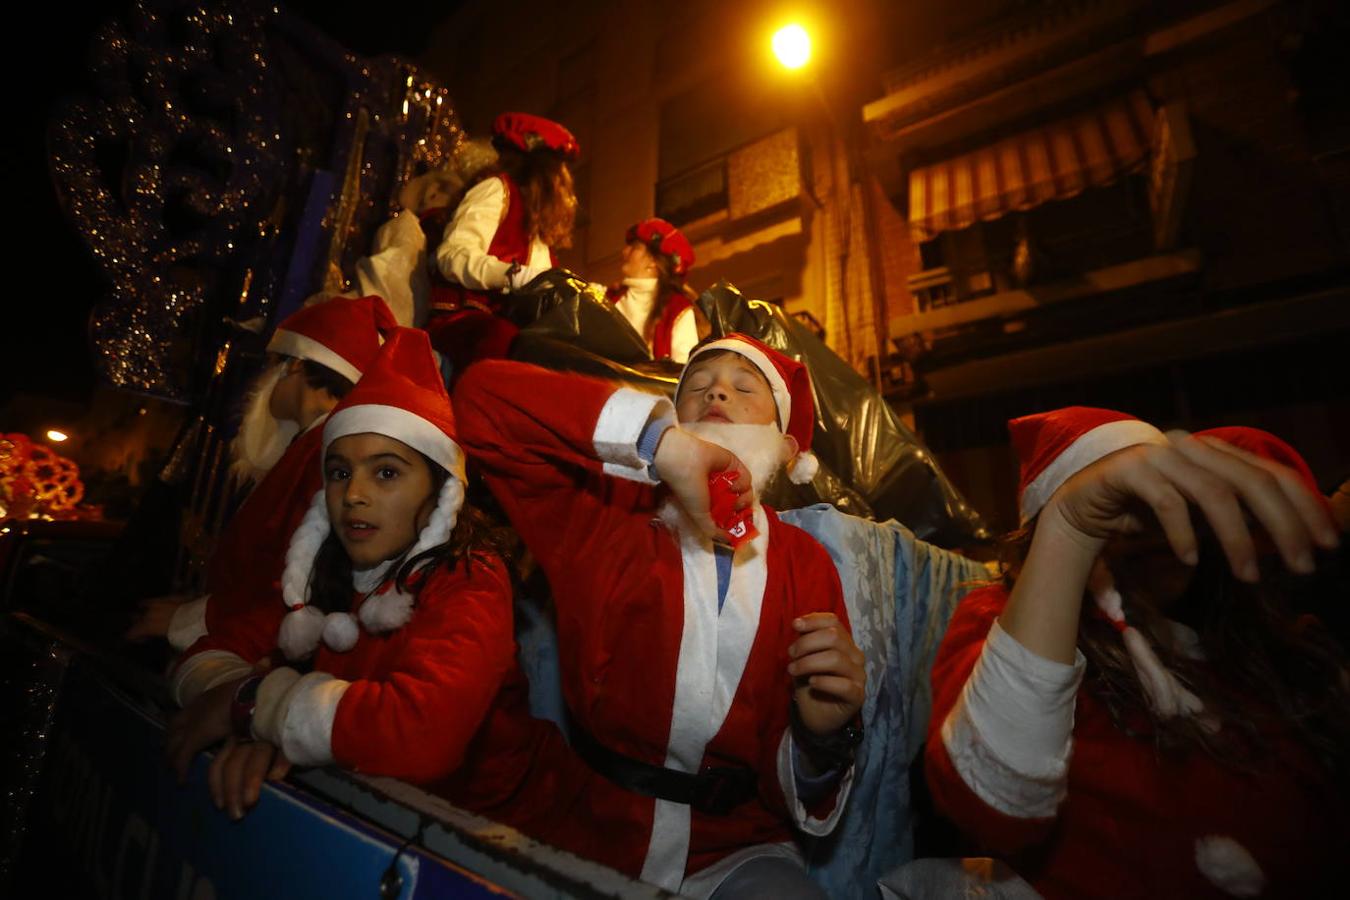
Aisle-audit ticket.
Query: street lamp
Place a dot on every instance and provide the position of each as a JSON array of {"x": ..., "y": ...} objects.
[{"x": 792, "y": 46}]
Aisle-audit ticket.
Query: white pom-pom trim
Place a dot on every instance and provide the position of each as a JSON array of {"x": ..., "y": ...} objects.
[
  {"x": 1228, "y": 866},
  {"x": 300, "y": 632},
  {"x": 803, "y": 468},
  {"x": 340, "y": 631},
  {"x": 304, "y": 626}
]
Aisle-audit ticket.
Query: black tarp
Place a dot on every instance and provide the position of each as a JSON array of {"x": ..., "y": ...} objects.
[{"x": 871, "y": 465}]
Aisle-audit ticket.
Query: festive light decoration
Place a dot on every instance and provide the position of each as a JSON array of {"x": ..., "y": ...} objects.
[{"x": 38, "y": 483}]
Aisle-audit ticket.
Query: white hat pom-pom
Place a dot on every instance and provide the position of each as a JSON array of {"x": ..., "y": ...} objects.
[
  {"x": 340, "y": 631},
  {"x": 387, "y": 611},
  {"x": 300, "y": 632},
  {"x": 1229, "y": 866},
  {"x": 804, "y": 468}
]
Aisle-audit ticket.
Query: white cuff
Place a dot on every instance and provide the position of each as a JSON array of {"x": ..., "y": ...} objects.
[
  {"x": 787, "y": 780},
  {"x": 296, "y": 714},
  {"x": 1010, "y": 734},
  {"x": 618, "y": 428},
  {"x": 188, "y": 623},
  {"x": 202, "y": 671}
]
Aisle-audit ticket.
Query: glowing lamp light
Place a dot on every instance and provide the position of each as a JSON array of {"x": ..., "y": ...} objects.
[
  {"x": 57, "y": 436},
  {"x": 792, "y": 46}
]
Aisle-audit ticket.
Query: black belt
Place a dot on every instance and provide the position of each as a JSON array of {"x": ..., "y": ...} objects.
[{"x": 715, "y": 791}]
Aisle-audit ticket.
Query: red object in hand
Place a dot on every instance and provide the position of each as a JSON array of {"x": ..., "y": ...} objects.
[{"x": 739, "y": 524}]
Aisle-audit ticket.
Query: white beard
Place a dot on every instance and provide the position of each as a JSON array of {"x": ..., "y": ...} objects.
[
  {"x": 262, "y": 438},
  {"x": 761, "y": 448}
]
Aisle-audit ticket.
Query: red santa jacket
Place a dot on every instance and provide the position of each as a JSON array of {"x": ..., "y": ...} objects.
[
  {"x": 650, "y": 668},
  {"x": 439, "y": 702},
  {"x": 251, "y": 550},
  {"x": 1137, "y": 822}
]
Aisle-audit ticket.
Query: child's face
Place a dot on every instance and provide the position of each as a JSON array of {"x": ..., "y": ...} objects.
[
  {"x": 380, "y": 492},
  {"x": 638, "y": 261},
  {"x": 725, "y": 387}
]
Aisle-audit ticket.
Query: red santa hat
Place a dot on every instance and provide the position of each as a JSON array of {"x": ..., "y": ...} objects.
[
  {"x": 662, "y": 237},
  {"x": 1269, "y": 447},
  {"x": 526, "y": 132},
  {"x": 1054, "y": 446},
  {"x": 341, "y": 334},
  {"x": 790, "y": 383},
  {"x": 402, "y": 397}
]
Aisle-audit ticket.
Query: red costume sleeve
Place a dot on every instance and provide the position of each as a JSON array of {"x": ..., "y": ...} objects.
[
  {"x": 994, "y": 831},
  {"x": 540, "y": 439},
  {"x": 414, "y": 718}
]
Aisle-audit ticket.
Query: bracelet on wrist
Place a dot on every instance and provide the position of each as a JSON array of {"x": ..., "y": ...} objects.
[
  {"x": 243, "y": 705},
  {"x": 827, "y": 752}
]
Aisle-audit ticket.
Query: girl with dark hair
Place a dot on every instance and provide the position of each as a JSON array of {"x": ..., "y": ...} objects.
[
  {"x": 653, "y": 296},
  {"x": 1139, "y": 711},
  {"x": 501, "y": 236},
  {"x": 396, "y": 625}
]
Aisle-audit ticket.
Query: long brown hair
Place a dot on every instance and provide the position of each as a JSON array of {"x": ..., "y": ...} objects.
[
  {"x": 1263, "y": 663},
  {"x": 545, "y": 184}
]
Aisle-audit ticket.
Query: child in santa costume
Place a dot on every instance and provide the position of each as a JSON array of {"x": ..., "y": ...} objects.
[
  {"x": 319, "y": 352},
  {"x": 395, "y": 622},
  {"x": 713, "y": 691},
  {"x": 502, "y": 236},
  {"x": 1139, "y": 713},
  {"x": 653, "y": 296}
]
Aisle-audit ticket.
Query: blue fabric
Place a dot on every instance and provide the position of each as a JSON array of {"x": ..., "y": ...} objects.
[
  {"x": 900, "y": 594},
  {"x": 651, "y": 437},
  {"x": 723, "y": 557}
]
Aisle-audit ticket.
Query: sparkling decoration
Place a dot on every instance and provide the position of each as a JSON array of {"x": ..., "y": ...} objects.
[
  {"x": 38, "y": 483},
  {"x": 228, "y": 161},
  {"x": 162, "y": 170}
]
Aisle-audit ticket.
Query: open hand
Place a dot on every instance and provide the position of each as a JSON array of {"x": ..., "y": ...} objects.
[
  {"x": 1114, "y": 495},
  {"x": 203, "y": 722}
]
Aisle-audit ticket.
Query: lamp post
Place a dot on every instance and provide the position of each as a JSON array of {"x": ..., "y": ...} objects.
[{"x": 791, "y": 45}]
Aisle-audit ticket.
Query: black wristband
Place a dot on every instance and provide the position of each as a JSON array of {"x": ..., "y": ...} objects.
[{"x": 827, "y": 751}]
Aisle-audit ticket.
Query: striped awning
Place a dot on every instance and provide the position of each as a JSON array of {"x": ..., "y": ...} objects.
[{"x": 1049, "y": 163}]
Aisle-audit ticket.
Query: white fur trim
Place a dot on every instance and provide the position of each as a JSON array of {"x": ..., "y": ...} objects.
[
  {"x": 202, "y": 671},
  {"x": 1009, "y": 734},
  {"x": 310, "y": 708},
  {"x": 268, "y": 708},
  {"x": 188, "y": 623},
  {"x": 804, "y": 468},
  {"x": 782, "y": 398},
  {"x": 400, "y": 424},
  {"x": 302, "y": 346},
  {"x": 386, "y": 612},
  {"x": 305, "y": 543},
  {"x": 787, "y": 780},
  {"x": 713, "y": 653},
  {"x": 1228, "y": 866},
  {"x": 296, "y": 713},
  {"x": 1090, "y": 447},
  {"x": 300, "y": 632},
  {"x": 340, "y": 631},
  {"x": 619, "y": 426}
]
